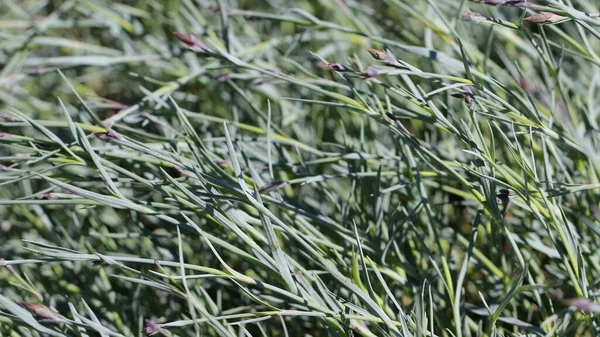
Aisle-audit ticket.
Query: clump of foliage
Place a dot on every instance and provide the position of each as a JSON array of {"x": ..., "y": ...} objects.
[{"x": 291, "y": 168}]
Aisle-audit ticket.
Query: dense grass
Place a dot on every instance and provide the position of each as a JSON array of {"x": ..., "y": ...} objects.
[{"x": 292, "y": 168}]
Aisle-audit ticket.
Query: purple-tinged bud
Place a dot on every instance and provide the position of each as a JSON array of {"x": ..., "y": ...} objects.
[
  {"x": 473, "y": 17},
  {"x": 595, "y": 210},
  {"x": 558, "y": 294},
  {"x": 10, "y": 268},
  {"x": 466, "y": 95},
  {"x": 223, "y": 77},
  {"x": 10, "y": 118},
  {"x": 38, "y": 71},
  {"x": 47, "y": 196},
  {"x": 113, "y": 134},
  {"x": 192, "y": 43},
  {"x": 382, "y": 56},
  {"x": 494, "y": 2},
  {"x": 217, "y": 9},
  {"x": 183, "y": 172},
  {"x": 523, "y": 4},
  {"x": 151, "y": 328},
  {"x": 109, "y": 134},
  {"x": 545, "y": 18},
  {"x": 321, "y": 65},
  {"x": 220, "y": 163},
  {"x": 117, "y": 105},
  {"x": 272, "y": 186},
  {"x": 371, "y": 72},
  {"x": 469, "y": 102},
  {"x": 584, "y": 305},
  {"x": 152, "y": 118},
  {"x": 336, "y": 67},
  {"x": 40, "y": 311},
  {"x": 188, "y": 39},
  {"x": 516, "y": 3}
]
